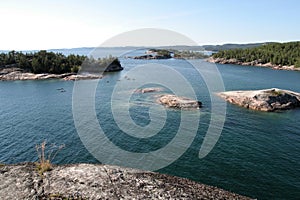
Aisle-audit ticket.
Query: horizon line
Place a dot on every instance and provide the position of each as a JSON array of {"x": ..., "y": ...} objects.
[{"x": 150, "y": 46}]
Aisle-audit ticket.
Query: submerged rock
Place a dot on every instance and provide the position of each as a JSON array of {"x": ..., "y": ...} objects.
[
  {"x": 89, "y": 181},
  {"x": 173, "y": 101},
  {"x": 263, "y": 100},
  {"x": 148, "y": 90}
]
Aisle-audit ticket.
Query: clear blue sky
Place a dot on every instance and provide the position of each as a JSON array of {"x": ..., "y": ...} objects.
[{"x": 66, "y": 24}]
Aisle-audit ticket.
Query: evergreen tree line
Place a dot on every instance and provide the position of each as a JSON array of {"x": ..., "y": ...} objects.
[
  {"x": 276, "y": 53},
  {"x": 49, "y": 62},
  {"x": 189, "y": 54}
]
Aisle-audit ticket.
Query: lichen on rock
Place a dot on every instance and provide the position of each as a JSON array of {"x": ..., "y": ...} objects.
[{"x": 92, "y": 181}]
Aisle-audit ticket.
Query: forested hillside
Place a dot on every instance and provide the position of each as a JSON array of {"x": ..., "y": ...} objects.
[
  {"x": 231, "y": 46},
  {"x": 285, "y": 54}
]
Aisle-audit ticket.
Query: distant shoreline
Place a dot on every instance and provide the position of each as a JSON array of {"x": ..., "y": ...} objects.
[{"x": 253, "y": 63}]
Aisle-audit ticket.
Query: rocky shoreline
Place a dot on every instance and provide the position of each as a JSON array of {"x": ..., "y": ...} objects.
[
  {"x": 92, "y": 181},
  {"x": 13, "y": 74},
  {"x": 253, "y": 63},
  {"x": 267, "y": 100}
]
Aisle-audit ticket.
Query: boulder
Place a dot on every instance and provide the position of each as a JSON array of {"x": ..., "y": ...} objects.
[
  {"x": 173, "y": 101},
  {"x": 263, "y": 100}
]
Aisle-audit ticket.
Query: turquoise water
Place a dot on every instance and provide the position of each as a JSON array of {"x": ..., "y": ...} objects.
[{"x": 257, "y": 154}]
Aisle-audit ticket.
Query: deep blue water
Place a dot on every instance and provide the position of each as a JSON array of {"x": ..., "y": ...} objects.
[{"x": 257, "y": 154}]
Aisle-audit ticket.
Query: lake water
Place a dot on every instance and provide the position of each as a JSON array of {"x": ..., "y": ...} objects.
[{"x": 257, "y": 154}]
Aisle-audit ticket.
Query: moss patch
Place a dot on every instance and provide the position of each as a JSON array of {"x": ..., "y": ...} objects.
[{"x": 275, "y": 92}]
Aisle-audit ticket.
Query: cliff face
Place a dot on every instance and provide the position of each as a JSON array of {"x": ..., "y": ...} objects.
[
  {"x": 114, "y": 66},
  {"x": 88, "y": 181}
]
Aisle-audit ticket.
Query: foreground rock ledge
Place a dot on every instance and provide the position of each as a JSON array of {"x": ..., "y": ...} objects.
[
  {"x": 88, "y": 181},
  {"x": 263, "y": 100},
  {"x": 173, "y": 101}
]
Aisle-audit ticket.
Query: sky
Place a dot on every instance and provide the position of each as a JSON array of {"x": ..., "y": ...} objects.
[{"x": 34, "y": 25}]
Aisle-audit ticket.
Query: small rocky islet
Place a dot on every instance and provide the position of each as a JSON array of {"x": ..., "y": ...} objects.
[
  {"x": 170, "y": 100},
  {"x": 173, "y": 101},
  {"x": 267, "y": 100}
]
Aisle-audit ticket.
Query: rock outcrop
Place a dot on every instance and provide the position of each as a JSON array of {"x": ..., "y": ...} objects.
[
  {"x": 173, "y": 101},
  {"x": 75, "y": 77},
  {"x": 263, "y": 100},
  {"x": 114, "y": 66},
  {"x": 12, "y": 75},
  {"x": 88, "y": 181}
]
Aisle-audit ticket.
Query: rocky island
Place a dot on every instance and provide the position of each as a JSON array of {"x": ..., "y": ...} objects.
[
  {"x": 280, "y": 56},
  {"x": 48, "y": 65},
  {"x": 170, "y": 53},
  {"x": 91, "y": 181},
  {"x": 267, "y": 100},
  {"x": 173, "y": 101}
]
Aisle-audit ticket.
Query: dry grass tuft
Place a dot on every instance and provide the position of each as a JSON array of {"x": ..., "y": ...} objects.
[{"x": 44, "y": 163}]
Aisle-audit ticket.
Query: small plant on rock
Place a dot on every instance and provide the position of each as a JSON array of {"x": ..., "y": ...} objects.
[
  {"x": 276, "y": 92},
  {"x": 45, "y": 158}
]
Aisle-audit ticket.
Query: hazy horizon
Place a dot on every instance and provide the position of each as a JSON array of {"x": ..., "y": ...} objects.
[
  {"x": 54, "y": 24},
  {"x": 92, "y": 47}
]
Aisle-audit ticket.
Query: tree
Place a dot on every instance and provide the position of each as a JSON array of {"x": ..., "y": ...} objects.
[
  {"x": 297, "y": 63},
  {"x": 35, "y": 65}
]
